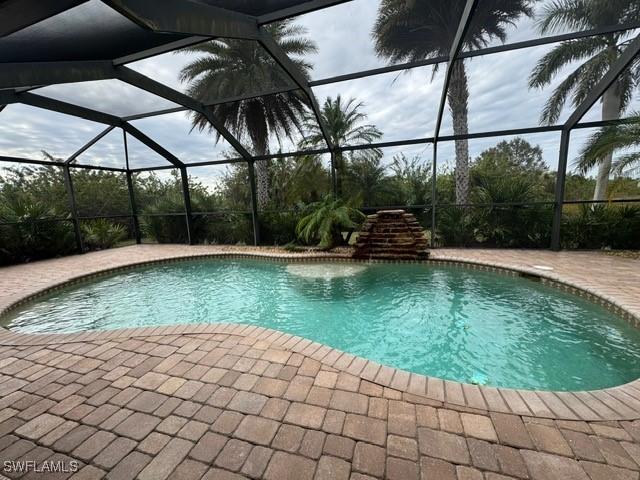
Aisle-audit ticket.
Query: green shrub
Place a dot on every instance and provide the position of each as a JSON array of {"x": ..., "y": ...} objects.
[
  {"x": 163, "y": 227},
  {"x": 227, "y": 228},
  {"x": 497, "y": 226},
  {"x": 601, "y": 226},
  {"x": 506, "y": 215},
  {"x": 624, "y": 233},
  {"x": 326, "y": 220},
  {"x": 456, "y": 226},
  {"x": 521, "y": 226},
  {"x": 278, "y": 228},
  {"x": 30, "y": 232},
  {"x": 215, "y": 228},
  {"x": 101, "y": 233},
  {"x": 164, "y": 222}
]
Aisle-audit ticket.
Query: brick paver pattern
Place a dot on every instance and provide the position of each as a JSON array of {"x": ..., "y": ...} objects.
[{"x": 233, "y": 401}]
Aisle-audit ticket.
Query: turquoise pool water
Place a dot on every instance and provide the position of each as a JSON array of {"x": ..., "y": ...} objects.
[{"x": 448, "y": 322}]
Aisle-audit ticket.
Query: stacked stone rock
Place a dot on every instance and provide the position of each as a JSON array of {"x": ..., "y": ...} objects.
[{"x": 392, "y": 234}]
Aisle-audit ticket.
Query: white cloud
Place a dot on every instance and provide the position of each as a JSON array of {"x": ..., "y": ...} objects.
[
  {"x": 173, "y": 131},
  {"x": 26, "y": 131},
  {"x": 402, "y": 105},
  {"x": 109, "y": 96}
]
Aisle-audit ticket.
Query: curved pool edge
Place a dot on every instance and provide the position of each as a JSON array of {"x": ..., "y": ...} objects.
[
  {"x": 610, "y": 302},
  {"x": 611, "y": 404},
  {"x": 615, "y": 403},
  {"x": 127, "y": 266}
]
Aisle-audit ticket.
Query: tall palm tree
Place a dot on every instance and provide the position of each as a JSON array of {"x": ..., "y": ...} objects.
[
  {"x": 602, "y": 144},
  {"x": 228, "y": 68},
  {"x": 411, "y": 30},
  {"x": 344, "y": 122},
  {"x": 595, "y": 54}
]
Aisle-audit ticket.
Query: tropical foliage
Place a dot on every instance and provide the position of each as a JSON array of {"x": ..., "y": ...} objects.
[
  {"x": 228, "y": 68},
  {"x": 101, "y": 233},
  {"x": 32, "y": 230},
  {"x": 412, "y": 179},
  {"x": 503, "y": 197},
  {"x": 415, "y": 30},
  {"x": 605, "y": 141},
  {"x": 602, "y": 226},
  {"x": 326, "y": 221},
  {"x": 344, "y": 124},
  {"x": 511, "y": 190},
  {"x": 589, "y": 58}
]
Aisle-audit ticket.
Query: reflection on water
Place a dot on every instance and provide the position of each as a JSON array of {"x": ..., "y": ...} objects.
[
  {"x": 325, "y": 271},
  {"x": 448, "y": 322}
]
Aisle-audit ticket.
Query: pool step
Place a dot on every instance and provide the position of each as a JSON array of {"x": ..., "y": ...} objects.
[
  {"x": 384, "y": 239},
  {"x": 398, "y": 229},
  {"x": 403, "y": 244},
  {"x": 391, "y": 234},
  {"x": 390, "y": 254}
]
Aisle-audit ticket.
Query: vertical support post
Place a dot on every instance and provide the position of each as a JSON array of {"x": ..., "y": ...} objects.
[
  {"x": 132, "y": 199},
  {"x": 559, "y": 191},
  {"x": 434, "y": 193},
  {"x": 134, "y": 209},
  {"x": 68, "y": 183},
  {"x": 187, "y": 204},
  {"x": 254, "y": 202}
]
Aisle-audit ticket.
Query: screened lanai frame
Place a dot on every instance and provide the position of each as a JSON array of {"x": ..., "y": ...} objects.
[{"x": 175, "y": 24}]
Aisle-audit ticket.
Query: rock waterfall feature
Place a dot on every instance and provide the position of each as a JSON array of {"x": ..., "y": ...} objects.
[{"x": 392, "y": 235}]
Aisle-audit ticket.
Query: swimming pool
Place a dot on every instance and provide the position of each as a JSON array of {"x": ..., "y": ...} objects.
[{"x": 444, "y": 321}]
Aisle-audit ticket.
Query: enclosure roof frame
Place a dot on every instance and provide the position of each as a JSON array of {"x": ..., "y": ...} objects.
[{"x": 201, "y": 21}]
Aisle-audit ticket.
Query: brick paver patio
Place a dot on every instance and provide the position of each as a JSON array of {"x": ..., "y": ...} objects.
[{"x": 234, "y": 401}]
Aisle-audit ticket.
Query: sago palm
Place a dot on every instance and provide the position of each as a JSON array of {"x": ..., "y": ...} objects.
[
  {"x": 594, "y": 55},
  {"x": 605, "y": 141},
  {"x": 411, "y": 30},
  {"x": 326, "y": 220},
  {"x": 228, "y": 68},
  {"x": 345, "y": 126}
]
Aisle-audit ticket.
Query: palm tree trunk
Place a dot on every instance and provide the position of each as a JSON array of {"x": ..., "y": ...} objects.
[
  {"x": 262, "y": 178},
  {"x": 262, "y": 184},
  {"x": 611, "y": 104},
  {"x": 458, "y": 96},
  {"x": 332, "y": 175},
  {"x": 339, "y": 172}
]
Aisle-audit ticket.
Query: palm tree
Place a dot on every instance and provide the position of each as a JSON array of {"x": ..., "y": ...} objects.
[
  {"x": 595, "y": 54},
  {"x": 411, "y": 30},
  {"x": 602, "y": 144},
  {"x": 228, "y": 68},
  {"x": 344, "y": 125},
  {"x": 326, "y": 220}
]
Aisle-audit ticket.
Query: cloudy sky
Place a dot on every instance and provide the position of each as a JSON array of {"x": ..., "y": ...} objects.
[{"x": 401, "y": 105}]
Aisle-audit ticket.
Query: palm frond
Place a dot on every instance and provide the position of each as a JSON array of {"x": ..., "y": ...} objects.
[
  {"x": 565, "y": 53},
  {"x": 553, "y": 107},
  {"x": 558, "y": 15},
  {"x": 230, "y": 67},
  {"x": 325, "y": 221},
  {"x": 608, "y": 139},
  {"x": 628, "y": 164}
]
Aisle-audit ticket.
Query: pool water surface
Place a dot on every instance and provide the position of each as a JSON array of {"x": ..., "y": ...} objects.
[{"x": 443, "y": 321}]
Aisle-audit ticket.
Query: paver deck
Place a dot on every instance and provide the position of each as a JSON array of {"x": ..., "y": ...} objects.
[{"x": 234, "y": 401}]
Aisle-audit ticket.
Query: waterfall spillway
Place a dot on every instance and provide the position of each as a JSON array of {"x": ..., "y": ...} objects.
[{"x": 391, "y": 234}]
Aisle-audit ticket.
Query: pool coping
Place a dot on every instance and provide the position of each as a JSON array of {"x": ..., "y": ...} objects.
[{"x": 616, "y": 403}]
